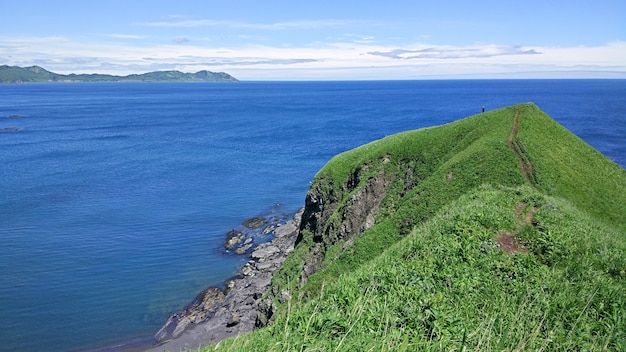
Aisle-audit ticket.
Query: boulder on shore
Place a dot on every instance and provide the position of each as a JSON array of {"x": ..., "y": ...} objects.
[{"x": 197, "y": 311}]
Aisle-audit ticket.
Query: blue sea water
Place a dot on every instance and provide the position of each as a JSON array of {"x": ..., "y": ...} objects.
[{"x": 115, "y": 198}]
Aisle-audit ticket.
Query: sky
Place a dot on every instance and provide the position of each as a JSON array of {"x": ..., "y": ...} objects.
[{"x": 322, "y": 39}]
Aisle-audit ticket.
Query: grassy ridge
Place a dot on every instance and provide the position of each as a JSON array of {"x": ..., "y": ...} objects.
[
  {"x": 433, "y": 273},
  {"x": 447, "y": 161}
]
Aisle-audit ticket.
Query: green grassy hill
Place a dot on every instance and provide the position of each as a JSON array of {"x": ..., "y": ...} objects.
[{"x": 501, "y": 231}]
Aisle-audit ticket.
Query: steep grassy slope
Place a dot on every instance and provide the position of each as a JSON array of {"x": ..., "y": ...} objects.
[
  {"x": 500, "y": 231},
  {"x": 449, "y": 285},
  {"x": 568, "y": 167}
]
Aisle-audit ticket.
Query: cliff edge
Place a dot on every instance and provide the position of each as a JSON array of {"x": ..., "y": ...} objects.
[
  {"x": 387, "y": 187},
  {"x": 500, "y": 231}
]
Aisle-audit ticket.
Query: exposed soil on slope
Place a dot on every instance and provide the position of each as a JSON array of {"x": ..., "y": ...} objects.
[{"x": 506, "y": 239}]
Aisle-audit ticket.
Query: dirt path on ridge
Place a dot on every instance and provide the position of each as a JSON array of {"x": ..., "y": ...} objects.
[{"x": 527, "y": 167}]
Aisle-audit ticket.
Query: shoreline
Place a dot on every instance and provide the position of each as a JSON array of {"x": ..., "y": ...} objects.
[
  {"x": 216, "y": 313},
  {"x": 240, "y": 307},
  {"x": 231, "y": 307}
]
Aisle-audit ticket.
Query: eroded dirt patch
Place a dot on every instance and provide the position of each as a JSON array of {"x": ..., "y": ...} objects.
[
  {"x": 509, "y": 244},
  {"x": 506, "y": 240}
]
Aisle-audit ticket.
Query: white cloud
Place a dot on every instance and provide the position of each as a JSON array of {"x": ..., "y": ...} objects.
[
  {"x": 342, "y": 60},
  {"x": 186, "y": 23},
  {"x": 455, "y": 52},
  {"x": 181, "y": 40},
  {"x": 304, "y": 24},
  {"x": 126, "y": 36},
  {"x": 611, "y": 54}
]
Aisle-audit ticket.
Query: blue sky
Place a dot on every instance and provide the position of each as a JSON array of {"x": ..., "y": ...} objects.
[{"x": 320, "y": 40}]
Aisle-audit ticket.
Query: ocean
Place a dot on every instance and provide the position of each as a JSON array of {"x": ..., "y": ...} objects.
[{"x": 115, "y": 198}]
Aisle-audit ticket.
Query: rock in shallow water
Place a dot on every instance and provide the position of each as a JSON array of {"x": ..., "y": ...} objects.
[
  {"x": 233, "y": 238},
  {"x": 10, "y": 129},
  {"x": 243, "y": 249},
  {"x": 255, "y": 222}
]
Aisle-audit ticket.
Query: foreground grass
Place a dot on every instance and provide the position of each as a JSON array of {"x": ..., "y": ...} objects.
[{"x": 448, "y": 286}]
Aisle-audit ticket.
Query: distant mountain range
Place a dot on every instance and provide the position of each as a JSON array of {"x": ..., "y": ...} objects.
[{"x": 36, "y": 74}]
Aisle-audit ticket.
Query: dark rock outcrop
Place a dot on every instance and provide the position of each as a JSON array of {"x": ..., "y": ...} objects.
[
  {"x": 10, "y": 129},
  {"x": 329, "y": 218},
  {"x": 252, "y": 231},
  {"x": 255, "y": 222},
  {"x": 233, "y": 238}
]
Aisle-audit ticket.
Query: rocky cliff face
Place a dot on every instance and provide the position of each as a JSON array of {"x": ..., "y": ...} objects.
[{"x": 333, "y": 214}]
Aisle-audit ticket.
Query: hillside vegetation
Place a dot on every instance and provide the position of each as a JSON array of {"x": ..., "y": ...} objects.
[
  {"x": 36, "y": 74},
  {"x": 501, "y": 231}
]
